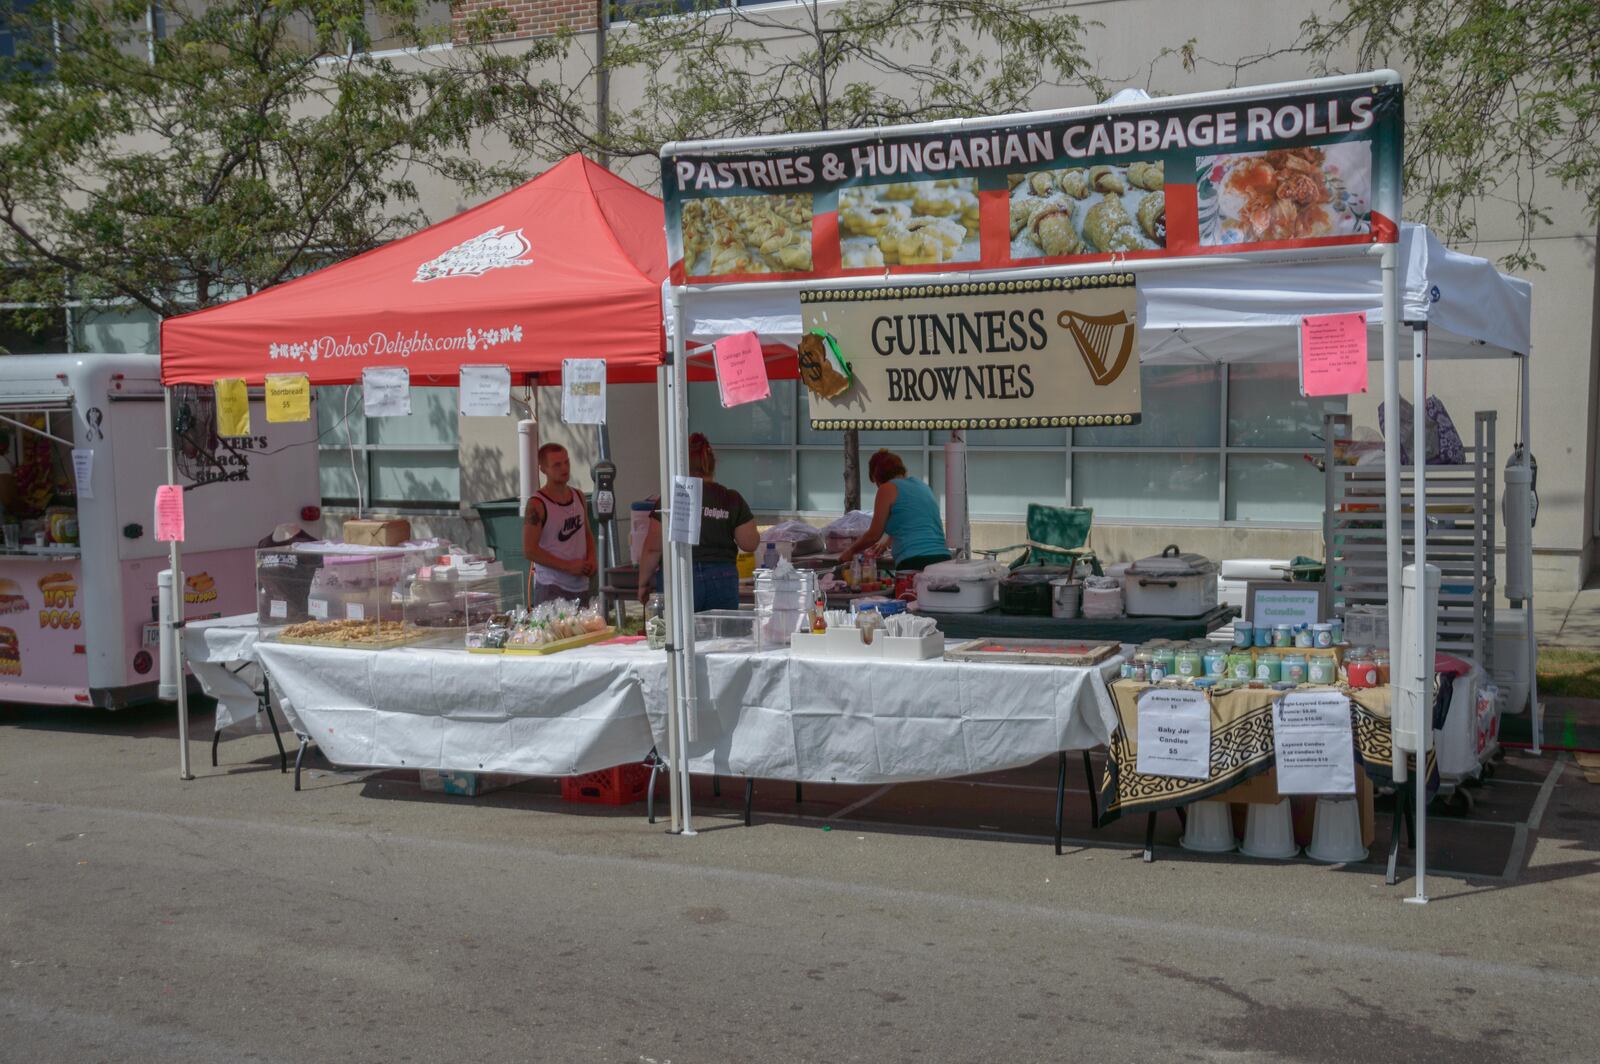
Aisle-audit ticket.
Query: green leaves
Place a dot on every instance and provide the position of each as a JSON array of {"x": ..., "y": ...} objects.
[
  {"x": 712, "y": 71},
  {"x": 261, "y": 140},
  {"x": 1500, "y": 94}
]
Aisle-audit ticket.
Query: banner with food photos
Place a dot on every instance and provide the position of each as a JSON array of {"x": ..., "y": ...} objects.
[
  {"x": 1051, "y": 351},
  {"x": 1225, "y": 173}
]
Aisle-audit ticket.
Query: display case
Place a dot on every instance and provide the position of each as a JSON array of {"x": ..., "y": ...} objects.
[
  {"x": 443, "y": 602},
  {"x": 716, "y": 630},
  {"x": 311, "y": 586}
]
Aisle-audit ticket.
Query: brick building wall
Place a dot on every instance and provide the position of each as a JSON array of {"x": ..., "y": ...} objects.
[{"x": 534, "y": 18}]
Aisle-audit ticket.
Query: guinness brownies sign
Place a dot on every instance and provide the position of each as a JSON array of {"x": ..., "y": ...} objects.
[{"x": 984, "y": 355}]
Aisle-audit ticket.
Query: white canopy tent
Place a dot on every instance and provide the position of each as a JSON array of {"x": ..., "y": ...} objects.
[
  {"x": 1225, "y": 310},
  {"x": 1208, "y": 308}
]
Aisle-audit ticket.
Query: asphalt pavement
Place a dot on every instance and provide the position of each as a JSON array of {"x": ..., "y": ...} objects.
[{"x": 229, "y": 918}]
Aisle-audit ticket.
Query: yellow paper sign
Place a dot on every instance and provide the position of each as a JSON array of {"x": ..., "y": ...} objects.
[
  {"x": 233, "y": 407},
  {"x": 288, "y": 397}
]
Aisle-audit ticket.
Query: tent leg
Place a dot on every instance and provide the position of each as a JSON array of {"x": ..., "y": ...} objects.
[
  {"x": 664, "y": 443},
  {"x": 1391, "y": 464},
  {"x": 175, "y": 560},
  {"x": 1419, "y": 540},
  {"x": 1535, "y": 710}
]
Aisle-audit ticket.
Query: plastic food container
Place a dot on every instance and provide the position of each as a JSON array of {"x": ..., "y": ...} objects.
[
  {"x": 1170, "y": 584},
  {"x": 1321, "y": 669},
  {"x": 1294, "y": 668},
  {"x": 1283, "y": 635},
  {"x": 970, "y": 586},
  {"x": 1269, "y": 667}
]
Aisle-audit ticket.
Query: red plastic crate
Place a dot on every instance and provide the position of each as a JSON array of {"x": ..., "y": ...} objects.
[{"x": 617, "y": 785}]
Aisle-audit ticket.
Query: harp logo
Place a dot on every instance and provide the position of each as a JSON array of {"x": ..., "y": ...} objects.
[
  {"x": 494, "y": 250},
  {"x": 1104, "y": 340}
]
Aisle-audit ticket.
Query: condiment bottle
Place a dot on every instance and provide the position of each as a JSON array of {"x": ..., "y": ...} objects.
[{"x": 819, "y": 609}]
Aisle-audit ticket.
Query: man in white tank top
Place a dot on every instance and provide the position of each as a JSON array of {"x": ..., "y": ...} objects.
[{"x": 556, "y": 536}]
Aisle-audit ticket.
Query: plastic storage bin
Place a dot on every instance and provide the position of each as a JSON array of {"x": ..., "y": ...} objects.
[{"x": 617, "y": 785}]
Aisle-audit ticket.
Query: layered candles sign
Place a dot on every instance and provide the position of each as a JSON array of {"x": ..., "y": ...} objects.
[
  {"x": 741, "y": 369},
  {"x": 386, "y": 391},
  {"x": 1315, "y": 745},
  {"x": 1038, "y": 354},
  {"x": 1333, "y": 354},
  {"x": 583, "y": 391},
  {"x": 169, "y": 514},
  {"x": 1174, "y": 733},
  {"x": 485, "y": 391}
]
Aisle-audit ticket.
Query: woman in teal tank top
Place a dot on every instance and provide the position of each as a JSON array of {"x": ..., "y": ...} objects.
[{"x": 906, "y": 511}]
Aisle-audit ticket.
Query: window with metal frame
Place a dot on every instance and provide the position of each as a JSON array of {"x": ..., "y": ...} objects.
[
  {"x": 1216, "y": 446},
  {"x": 404, "y": 463}
]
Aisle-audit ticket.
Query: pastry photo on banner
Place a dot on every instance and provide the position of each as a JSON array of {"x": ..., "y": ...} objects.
[
  {"x": 731, "y": 236},
  {"x": 1088, "y": 210},
  {"x": 909, "y": 223},
  {"x": 1285, "y": 194}
]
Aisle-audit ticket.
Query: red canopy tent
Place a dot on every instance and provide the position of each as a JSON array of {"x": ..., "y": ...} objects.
[{"x": 568, "y": 265}]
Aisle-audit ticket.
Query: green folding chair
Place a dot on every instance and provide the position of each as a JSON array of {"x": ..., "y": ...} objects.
[{"x": 1057, "y": 535}]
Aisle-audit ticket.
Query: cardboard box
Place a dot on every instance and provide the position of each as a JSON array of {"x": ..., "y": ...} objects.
[
  {"x": 465, "y": 784},
  {"x": 377, "y": 533}
]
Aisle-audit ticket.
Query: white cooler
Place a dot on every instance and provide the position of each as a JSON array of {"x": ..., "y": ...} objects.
[
  {"x": 970, "y": 586},
  {"x": 1170, "y": 584}
]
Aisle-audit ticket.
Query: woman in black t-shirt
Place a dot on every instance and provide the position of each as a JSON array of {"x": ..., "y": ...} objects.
[{"x": 726, "y": 527}]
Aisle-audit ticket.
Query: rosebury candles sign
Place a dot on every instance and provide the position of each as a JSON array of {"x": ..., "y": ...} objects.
[{"x": 985, "y": 355}]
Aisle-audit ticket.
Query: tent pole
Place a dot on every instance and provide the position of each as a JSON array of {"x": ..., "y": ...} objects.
[
  {"x": 663, "y": 440},
  {"x": 175, "y": 549},
  {"x": 1535, "y": 711},
  {"x": 1419, "y": 539},
  {"x": 683, "y": 632},
  {"x": 1391, "y": 467}
]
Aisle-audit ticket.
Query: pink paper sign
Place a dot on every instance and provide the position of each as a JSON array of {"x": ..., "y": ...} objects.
[
  {"x": 169, "y": 514},
  {"x": 741, "y": 369},
  {"x": 1333, "y": 354}
]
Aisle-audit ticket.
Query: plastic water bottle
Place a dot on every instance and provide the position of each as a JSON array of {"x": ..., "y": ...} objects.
[{"x": 655, "y": 623}]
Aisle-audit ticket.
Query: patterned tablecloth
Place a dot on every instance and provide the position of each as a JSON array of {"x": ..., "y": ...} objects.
[{"x": 1241, "y": 748}]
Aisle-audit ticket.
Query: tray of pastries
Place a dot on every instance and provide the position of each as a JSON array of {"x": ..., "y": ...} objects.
[{"x": 360, "y": 635}]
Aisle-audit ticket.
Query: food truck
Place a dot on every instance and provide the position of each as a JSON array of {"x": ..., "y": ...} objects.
[{"x": 82, "y": 450}]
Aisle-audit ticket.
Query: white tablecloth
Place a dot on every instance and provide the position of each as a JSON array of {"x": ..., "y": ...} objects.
[
  {"x": 578, "y": 711},
  {"x": 221, "y": 654},
  {"x": 765, "y": 715},
  {"x": 776, "y": 717}
]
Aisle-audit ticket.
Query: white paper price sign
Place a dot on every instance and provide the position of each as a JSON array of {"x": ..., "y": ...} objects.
[
  {"x": 355, "y": 611},
  {"x": 583, "y": 391},
  {"x": 1315, "y": 745},
  {"x": 1174, "y": 734},
  {"x": 317, "y": 608},
  {"x": 684, "y": 520},
  {"x": 485, "y": 391},
  {"x": 278, "y": 609},
  {"x": 386, "y": 391}
]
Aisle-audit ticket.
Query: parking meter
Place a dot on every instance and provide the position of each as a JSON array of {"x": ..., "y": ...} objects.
[{"x": 605, "y": 495}]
